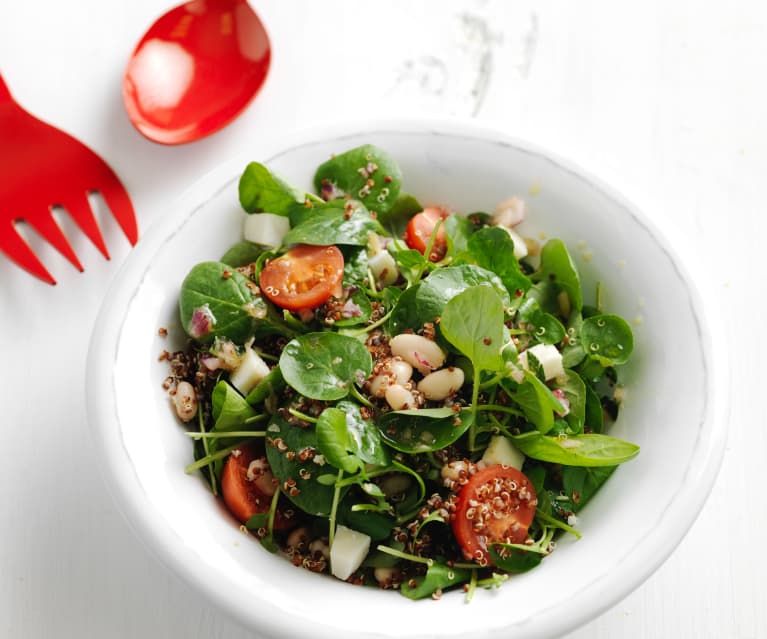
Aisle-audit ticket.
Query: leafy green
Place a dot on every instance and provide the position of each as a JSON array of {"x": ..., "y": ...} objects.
[
  {"x": 514, "y": 559},
  {"x": 349, "y": 441},
  {"x": 438, "y": 577},
  {"x": 575, "y": 392},
  {"x": 546, "y": 328},
  {"x": 217, "y": 301},
  {"x": 242, "y": 254},
  {"x": 557, "y": 266},
  {"x": 422, "y": 430},
  {"x": 325, "y": 365},
  {"x": 576, "y": 450},
  {"x": 607, "y": 338},
  {"x": 537, "y": 402},
  {"x": 325, "y": 226},
  {"x": 262, "y": 191},
  {"x": 473, "y": 322},
  {"x": 268, "y": 387},
  {"x": 580, "y": 483},
  {"x": 493, "y": 249},
  {"x": 353, "y": 172}
]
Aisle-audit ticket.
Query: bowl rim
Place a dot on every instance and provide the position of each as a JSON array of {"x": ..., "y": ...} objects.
[{"x": 123, "y": 483}]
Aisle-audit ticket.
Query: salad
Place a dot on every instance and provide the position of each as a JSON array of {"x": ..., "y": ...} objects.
[{"x": 394, "y": 394}]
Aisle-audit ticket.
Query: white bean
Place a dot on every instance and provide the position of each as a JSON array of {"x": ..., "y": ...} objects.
[
  {"x": 441, "y": 384},
  {"x": 399, "y": 397},
  {"x": 185, "y": 401},
  {"x": 424, "y": 354},
  {"x": 385, "y": 576},
  {"x": 298, "y": 538},
  {"x": 394, "y": 371},
  {"x": 320, "y": 546}
]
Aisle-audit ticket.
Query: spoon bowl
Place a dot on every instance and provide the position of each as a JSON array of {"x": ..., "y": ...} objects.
[{"x": 195, "y": 70}]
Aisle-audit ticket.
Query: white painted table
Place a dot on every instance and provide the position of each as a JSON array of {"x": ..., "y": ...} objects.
[{"x": 666, "y": 101}]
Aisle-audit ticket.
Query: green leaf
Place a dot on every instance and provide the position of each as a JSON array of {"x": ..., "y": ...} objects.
[
  {"x": 544, "y": 327},
  {"x": 473, "y": 322},
  {"x": 285, "y": 445},
  {"x": 493, "y": 249},
  {"x": 537, "y": 402},
  {"x": 334, "y": 442},
  {"x": 438, "y": 577},
  {"x": 216, "y": 301},
  {"x": 230, "y": 409},
  {"x": 361, "y": 314},
  {"x": 575, "y": 392},
  {"x": 423, "y": 430},
  {"x": 557, "y": 266},
  {"x": 593, "y": 417},
  {"x": 458, "y": 229},
  {"x": 397, "y": 218},
  {"x": 242, "y": 254},
  {"x": 375, "y": 525},
  {"x": 325, "y": 226},
  {"x": 582, "y": 483},
  {"x": 261, "y": 191},
  {"x": 353, "y": 172},
  {"x": 511, "y": 558},
  {"x": 607, "y": 338},
  {"x": 576, "y": 450},
  {"x": 270, "y": 386},
  {"x": 325, "y": 365},
  {"x": 572, "y": 352}
]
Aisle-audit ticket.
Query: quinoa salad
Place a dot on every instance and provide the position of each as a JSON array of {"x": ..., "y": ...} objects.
[{"x": 395, "y": 393}]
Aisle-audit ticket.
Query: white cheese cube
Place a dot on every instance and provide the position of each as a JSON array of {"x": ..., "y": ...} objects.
[
  {"x": 266, "y": 229},
  {"x": 549, "y": 357},
  {"x": 348, "y": 551},
  {"x": 502, "y": 451},
  {"x": 249, "y": 373}
]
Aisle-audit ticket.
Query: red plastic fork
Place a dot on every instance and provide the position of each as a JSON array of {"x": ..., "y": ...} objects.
[{"x": 42, "y": 168}]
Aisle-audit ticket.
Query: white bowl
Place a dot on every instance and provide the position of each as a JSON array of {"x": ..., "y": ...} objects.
[{"x": 675, "y": 407}]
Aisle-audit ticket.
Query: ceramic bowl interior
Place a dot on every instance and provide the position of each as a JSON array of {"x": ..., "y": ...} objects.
[{"x": 674, "y": 407}]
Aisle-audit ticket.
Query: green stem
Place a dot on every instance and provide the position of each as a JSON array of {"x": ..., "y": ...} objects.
[
  {"x": 369, "y": 327},
  {"x": 256, "y": 418},
  {"x": 498, "y": 408},
  {"x": 209, "y": 459},
  {"x": 472, "y": 586},
  {"x": 427, "y": 252},
  {"x": 403, "y": 555},
  {"x": 474, "y": 402},
  {"x": 222, "y": 435},
  {"x": 205, "y": 447},
  {"x": 303, "y": 416},
  {"x": 360, "y": 397},
  {"x": 334, "y": 509}
]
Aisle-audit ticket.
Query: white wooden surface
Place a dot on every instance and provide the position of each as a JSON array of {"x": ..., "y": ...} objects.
[{"x": 665, "y": 100}]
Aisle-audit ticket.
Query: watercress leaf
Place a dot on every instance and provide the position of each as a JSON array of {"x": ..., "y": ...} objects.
[
  {"x": 328, "y": 225},
  {"x": 242, "y": 254},
  {"x": 325, "y": 365},
  {"x": 593, "y": 417},
  {"x": 363, "y": 435},
  {"x": 230, "y": 409},
  {"x": 425, "y": 302},
  {"x": 576, "y": 450},
  {"x": 438, "y": 577},
  {"x": 558, "y": 266},
  {"x": 334, "y": 442},
  {"x": 406, "y": 314},
  {"x": 365, "y": 173},
  {"x": 376, "y": 525},
  {"x": 259, "y": 520},
  {"x": 581, "y": 483},
  {"x": 544, "y": 327},
  {"x": 267, "y": 388},
  {"x": 395, "y": 219},
  {"x": 217, "y": 301},
  {"x": 458, "y": 229},
  {"x": 423, "y": 430},
  {"x": 260, "y": 191},
  {"x": 537, "y": 402},
  {"x": 572, "y": 352},
  {"x": 511, "y": 558},
  {"x": 545, "y": 293},
  {"x": 607, "y": 338},
  {"x": 575, "y": 392},
  {"x": 492, "y": 248},
  {"x": 311, "y": 496},
  {"x": 473, "y": 322},
  {"x": 355, "y": 265}
]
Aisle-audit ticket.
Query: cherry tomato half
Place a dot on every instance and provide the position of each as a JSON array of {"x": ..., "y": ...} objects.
[
  {"x": 419, "y": 231},
  {"x": 496, "y": 505},
  {"x": 304, "y": 277},
  {"x": 247, "y": 487}
]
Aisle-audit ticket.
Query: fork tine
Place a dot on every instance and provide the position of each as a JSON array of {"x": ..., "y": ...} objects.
[
  {"x": 18, "y": 250},
  {"x": 81, "y": 212},
  {"x": 119, "y": 203},
  {"x": 46, "y": 226}
]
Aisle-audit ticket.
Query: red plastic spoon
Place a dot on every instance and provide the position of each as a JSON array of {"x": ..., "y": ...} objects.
[{"x": 195, "y": 70}]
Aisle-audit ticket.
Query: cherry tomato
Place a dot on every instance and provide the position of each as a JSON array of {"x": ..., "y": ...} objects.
[
  {"x": 304, "y": 277},
  {"x": 419, "y": 231},
  {"x": 247, "y": 487},
  {"x": 496, "y": 505}
]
